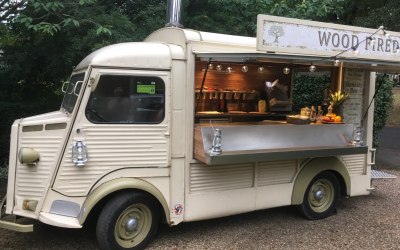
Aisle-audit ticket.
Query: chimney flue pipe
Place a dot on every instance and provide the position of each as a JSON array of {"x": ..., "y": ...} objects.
[{"x": 174, "y": 13}]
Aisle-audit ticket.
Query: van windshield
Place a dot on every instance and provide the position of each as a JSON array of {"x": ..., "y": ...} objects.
[{"x": 72, "y": 89}]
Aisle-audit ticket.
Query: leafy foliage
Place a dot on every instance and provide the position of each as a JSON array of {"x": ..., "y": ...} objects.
[
  {"x": 50, "y": 16},
  {"x": 309, "y": 90},
  {"x": 383, "y": 104},
  {"x": 239, "y": 17},
  {"x": 41, "y": 40}
]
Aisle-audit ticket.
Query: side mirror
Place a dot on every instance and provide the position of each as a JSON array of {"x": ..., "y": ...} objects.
[
  {"x": 64, "y": 87},
  {"x": 76, "y": 89}
]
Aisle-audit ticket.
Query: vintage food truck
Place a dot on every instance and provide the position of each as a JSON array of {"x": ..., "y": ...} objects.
[{"x": 185, "y": 126}]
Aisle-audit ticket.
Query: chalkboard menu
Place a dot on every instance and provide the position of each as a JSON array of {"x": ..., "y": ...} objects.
[{"x": 354, "y": 80}]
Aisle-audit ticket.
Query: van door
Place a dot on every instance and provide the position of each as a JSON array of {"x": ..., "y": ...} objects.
[{"x": 123, "y": 122}]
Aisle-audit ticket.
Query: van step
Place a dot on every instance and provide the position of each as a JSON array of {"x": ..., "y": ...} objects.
[{"x": 375, "y": 174}]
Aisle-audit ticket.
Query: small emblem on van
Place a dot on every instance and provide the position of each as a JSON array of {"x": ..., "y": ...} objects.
[{"x": 178, "y": 209}]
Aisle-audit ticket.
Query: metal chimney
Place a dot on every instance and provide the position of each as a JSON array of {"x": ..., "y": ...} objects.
[{"x": 174, "y": 13}]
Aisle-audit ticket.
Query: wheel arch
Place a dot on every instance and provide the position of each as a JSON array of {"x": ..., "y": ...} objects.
[
  {"x": 312, "y": 169},
  {"x": 109, "y": 188}
]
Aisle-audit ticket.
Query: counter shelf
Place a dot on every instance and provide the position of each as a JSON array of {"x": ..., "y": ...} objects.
[
  {"x": 270, "y": 141},
  {"x": 239, "y": 116}
]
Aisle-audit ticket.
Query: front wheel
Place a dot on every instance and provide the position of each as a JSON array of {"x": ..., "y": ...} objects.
[
  {"x": 321, "y": 197},
  {"x": 128, "y": 221}
]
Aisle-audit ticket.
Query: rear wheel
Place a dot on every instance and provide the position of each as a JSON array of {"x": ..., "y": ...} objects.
[
  {"x": 128, "y": 221},
  {"x": 321, "y": 197}
]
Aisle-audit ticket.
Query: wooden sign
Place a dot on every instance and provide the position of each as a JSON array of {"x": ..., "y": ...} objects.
[
  {"x": 354, "y": 85},
  {"x": 303, "y": 37}
]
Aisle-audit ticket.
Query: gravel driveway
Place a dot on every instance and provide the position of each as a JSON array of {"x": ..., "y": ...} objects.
[{"x": 364, "y": 222}]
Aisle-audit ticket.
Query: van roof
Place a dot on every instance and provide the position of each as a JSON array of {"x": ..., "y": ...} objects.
[
  {"x": 164, "y": 45},
  {"x": 146, "y": 55}
]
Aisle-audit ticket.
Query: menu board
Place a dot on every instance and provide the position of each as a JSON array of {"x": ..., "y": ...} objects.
[{"x": 354, "y": 80}]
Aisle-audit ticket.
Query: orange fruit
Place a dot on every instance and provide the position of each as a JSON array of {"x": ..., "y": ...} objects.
[{"x": 338, "y": 118}]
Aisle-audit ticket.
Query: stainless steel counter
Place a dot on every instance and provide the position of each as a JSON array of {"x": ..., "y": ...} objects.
[{"x": 269, "y": 141}]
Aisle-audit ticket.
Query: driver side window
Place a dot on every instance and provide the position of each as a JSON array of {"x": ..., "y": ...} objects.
[{"x": 127, "y": 99}]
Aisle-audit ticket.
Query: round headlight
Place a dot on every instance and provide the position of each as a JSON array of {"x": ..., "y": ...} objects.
[{"x": 28, "y": 156}]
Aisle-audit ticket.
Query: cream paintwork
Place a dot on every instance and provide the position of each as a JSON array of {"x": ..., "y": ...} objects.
[
  {"x": 121, "y": 184},
  {"x": 59, "y": 220},
  {"x": 11, "y": 169},
  {"x": 313, "y": 168},
  {"x": 52, "y": 196},
  {"x": 34, "y": 180},
  {"x": 105, "y": 155},
  {"x": 171, "y": 54}
]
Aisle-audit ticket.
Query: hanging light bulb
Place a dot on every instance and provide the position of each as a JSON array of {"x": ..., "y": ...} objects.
[
  {"x": 286, "y": 70},
  {"x": 355, "y": 51},
  {"x": 371, "y": 41},
  {"x": 312, "y": 68},
  {"x": 336, "y": 62},
  {"x": 245, "y": 68},
  {"x": 229, "y": 69},
  {"x": 261, "y": 69},
  {"x": 387, "y": 35},
  {"x": 211, "y": 66},
  {"x": 219, "y": 67}
]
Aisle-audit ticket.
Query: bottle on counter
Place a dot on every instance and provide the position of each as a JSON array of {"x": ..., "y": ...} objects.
[
  {"x": 319, "y": 115},
  {"x": 313, "y": 114}
]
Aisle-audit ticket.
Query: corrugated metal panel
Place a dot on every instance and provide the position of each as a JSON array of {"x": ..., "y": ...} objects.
[
  {"x": 355, "y": 163},
  {"x": 32, "y": 181},
  {"x": 205, "y": 178},
  {"x": 275, "y": 172},
  {"x": 110, "y": 148}
]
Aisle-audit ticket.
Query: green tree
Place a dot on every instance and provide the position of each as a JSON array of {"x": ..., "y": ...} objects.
[
  {"x": 239, "y": 17},
  {"x": 383, "y": 104},
  {"x": 372, "y": 14},
  {"x": 34, "y": 62}
]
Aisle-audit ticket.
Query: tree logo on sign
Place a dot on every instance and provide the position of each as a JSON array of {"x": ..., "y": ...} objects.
[{"x": 276, "y": 31}]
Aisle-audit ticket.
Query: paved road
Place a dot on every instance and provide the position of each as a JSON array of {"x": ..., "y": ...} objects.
[
  {"x": 363, "y": 222},
  {"x": 388, "y": 153}
]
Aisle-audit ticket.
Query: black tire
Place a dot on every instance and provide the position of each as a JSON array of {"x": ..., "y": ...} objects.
[
  {"x": 128, "y": 221},
  {"x": 321, "y": 197}
]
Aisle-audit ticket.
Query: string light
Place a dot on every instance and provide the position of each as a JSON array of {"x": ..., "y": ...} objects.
[
  {"x": 371, "y": 40},
  {"x": 312, "y": 68},
  {"x": 355, "y": 50},
  {"x": 336, "y": 62},
  {"x": 286, "y": 70}
]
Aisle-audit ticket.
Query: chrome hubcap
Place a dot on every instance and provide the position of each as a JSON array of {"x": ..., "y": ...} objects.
[
  {"x": 319, "y": 194},
  {"x": 131, "y": 225}
]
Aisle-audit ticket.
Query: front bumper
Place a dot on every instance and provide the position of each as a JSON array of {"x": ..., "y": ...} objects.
[{"x": 13, "y": 226}]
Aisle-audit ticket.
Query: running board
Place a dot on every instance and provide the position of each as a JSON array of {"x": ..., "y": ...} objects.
[{"x": 375, "y": 175}]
